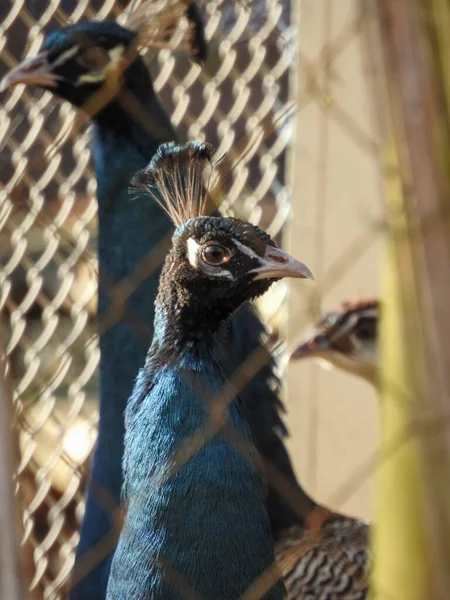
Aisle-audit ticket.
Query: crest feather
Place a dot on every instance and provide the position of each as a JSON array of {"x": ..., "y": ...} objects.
[
  {"x": 172, "y": 24},
  {"x": 175, "y": 179},
  {"x": 357, "y": 304}
]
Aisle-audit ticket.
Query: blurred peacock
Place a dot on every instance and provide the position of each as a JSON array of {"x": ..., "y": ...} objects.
[{"x": 94, "y": 66}]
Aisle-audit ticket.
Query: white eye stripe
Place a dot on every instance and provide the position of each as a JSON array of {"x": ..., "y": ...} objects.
[
  {"x": 192, "y": 251},
  {"x": 215, "y": 272},
  {"x": 65, "y": 56},
  {"x": 352, "y": 321},
  {"x": 370, "y": 313},
  {"x": 115, "y": 54},
  {"x": 92, "y": 77},
  {"x": 246, "y": 250},
  {"x": 365, "y": 314}
]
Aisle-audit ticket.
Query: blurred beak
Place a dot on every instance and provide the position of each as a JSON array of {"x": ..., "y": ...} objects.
[
  {"x": 316, "y": 346},
  {"x": 32, "y": 71},
  {"x": 277, "y": 263}
]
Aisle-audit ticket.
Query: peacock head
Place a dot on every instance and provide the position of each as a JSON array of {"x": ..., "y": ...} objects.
[
  {"x": 216, "y": 263},
  {"x": 87, "y": 64},
  {"x": 346, "y": 338}
]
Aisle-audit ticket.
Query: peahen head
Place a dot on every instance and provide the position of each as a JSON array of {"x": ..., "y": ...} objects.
[
  {"x": 79, "y": 61},
  {"x": 347, "y": 338},
  {"x": 216, "y": 263}
]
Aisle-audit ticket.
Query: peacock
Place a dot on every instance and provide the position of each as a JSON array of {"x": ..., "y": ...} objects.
[
  {"x": 195, "y": 493},
  {"x": 346, "y": 338},
  {"x": 77, "y": 63}
]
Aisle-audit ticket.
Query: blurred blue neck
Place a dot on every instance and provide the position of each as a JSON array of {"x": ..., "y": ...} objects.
[{"x": 129, "y": 230}]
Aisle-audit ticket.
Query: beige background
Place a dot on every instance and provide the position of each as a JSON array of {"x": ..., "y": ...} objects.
[{"x": 337, "y": 204}]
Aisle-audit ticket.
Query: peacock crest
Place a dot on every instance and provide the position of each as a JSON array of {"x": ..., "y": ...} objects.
[
  {"x": 171, "y": 24},
  {"x": 178, "y": 179}
]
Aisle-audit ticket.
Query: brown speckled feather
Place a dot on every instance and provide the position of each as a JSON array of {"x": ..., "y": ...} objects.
[{"x": 329, "y": 563}]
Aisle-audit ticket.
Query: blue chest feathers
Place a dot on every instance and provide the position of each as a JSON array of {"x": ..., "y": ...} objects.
[{"x": 196, "y": 521}]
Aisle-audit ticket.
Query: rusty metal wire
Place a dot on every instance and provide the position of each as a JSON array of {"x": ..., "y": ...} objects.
[{"x": 48, "y": 279}]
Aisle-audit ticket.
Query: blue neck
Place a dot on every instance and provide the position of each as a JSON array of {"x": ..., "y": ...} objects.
[
  {"x": 205, "y": 526},
  {"x": 129, "y": 229}
]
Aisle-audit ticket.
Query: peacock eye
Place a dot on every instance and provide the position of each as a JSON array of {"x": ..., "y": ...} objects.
[
  {"x": 215, "y": 254},
  {"x": 93, "y": 58}
]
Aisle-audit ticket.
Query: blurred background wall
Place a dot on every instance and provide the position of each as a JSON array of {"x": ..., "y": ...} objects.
[{"x": 337, "y": 209}]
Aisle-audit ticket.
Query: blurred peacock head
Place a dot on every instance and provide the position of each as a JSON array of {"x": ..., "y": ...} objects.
[
  {"x": 215, "y": 263},
  {"x": 79, "y": 61},
  {"x": 346, "y": 338}
]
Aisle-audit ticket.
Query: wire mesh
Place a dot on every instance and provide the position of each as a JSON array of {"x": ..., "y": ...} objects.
[
  {"x": 49, "y": 236},
  {"x": 48, "y": 227}
]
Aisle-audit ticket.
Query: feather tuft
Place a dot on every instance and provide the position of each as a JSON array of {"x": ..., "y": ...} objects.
[
  {"x": 358, "y": 304},
  {"x": 169, "y": 24},
  {"x": 175, "y": 179}
]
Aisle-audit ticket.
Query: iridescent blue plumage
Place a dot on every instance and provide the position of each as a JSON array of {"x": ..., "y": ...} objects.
[{"x": 208, "y": 521}]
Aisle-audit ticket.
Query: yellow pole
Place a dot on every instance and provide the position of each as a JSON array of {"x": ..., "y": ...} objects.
[
  {"x": 412, "y": 529},
  {"x": 399, "y": 540}
]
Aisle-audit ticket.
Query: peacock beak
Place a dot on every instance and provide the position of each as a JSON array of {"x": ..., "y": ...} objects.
[
  {"x": 277, "y": 263},
  {"x": 31, "y": 71}
]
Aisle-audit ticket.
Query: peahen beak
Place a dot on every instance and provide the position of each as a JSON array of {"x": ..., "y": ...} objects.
[
  {"x": 31, "y": 71},
  {"x": 317, "y": 346},
  {"x": 277, "y": 263}
]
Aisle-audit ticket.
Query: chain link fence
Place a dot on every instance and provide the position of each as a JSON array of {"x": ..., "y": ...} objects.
[{"x": 242, "y": 102}]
